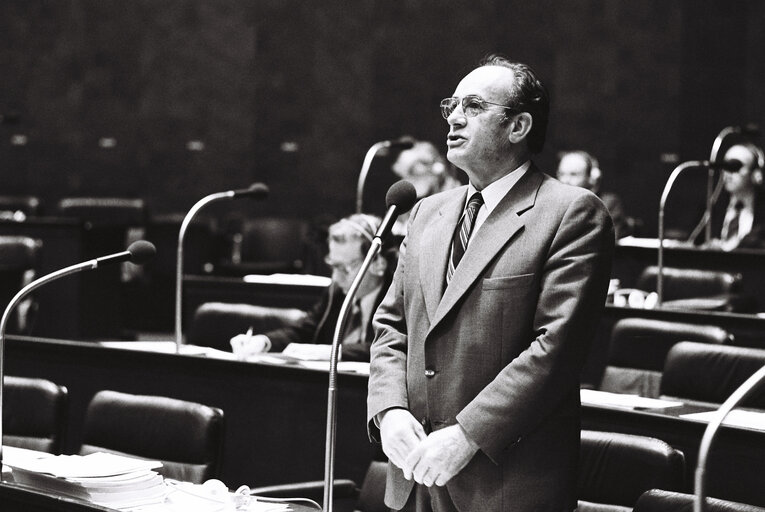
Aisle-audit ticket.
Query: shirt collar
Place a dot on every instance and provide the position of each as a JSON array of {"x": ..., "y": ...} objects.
[{"x": 494, "y": 192}]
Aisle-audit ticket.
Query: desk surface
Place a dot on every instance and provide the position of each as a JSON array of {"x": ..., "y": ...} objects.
[{"x": 276, "y": 415}]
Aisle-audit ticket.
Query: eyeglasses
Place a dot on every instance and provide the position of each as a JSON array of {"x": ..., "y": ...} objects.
[
  {"x": 344, "y": 268},
  {"x": 472, "y": 105}
]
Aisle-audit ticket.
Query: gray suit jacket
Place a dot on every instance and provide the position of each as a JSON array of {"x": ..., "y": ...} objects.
[{"x": 501, "y": 348}]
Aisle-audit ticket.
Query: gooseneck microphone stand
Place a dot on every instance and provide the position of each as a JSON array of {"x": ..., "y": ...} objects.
[
  {"x": 403, "y": 143},
  {"x": 329, "y": 456},
  {"x": 139, "y": 252},
  {"x": 256, "y": 190},
  {"x": 738, "y": 396},
  {"x": 662, "y": 202}
]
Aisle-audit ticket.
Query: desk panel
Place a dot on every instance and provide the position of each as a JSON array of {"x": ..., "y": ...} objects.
[
  {"x": 631, "y": 257},
  {"x": 275, "y": 416}
]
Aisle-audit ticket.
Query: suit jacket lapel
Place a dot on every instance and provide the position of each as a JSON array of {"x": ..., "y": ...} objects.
[
  {"x": 437, "y": 240},
  {"x": 493, "y": 235}
]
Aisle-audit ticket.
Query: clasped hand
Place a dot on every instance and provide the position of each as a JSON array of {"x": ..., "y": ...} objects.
[{"x": 430, "y": 459}]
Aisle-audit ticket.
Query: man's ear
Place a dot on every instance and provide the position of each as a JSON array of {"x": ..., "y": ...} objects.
[
  {"x": 757, "y": 177},
  {"x": 378, "y": 266},
  {"x": 520, "y": 126}
]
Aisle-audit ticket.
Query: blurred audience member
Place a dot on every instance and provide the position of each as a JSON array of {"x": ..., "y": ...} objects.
[
  {"x": 425, "y": 168},
  {"x": 580, "y": 169},
  {"x": 743, "y": 224},
  {"x": 349, "y": 240}
]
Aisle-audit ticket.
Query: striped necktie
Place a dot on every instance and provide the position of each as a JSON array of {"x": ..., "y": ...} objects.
[
  {"x": 731, "y": 229},
  {"x": 462, "y": 233}
]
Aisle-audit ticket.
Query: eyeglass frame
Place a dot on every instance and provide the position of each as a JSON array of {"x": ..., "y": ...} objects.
[{"x": 461, "y": 102}]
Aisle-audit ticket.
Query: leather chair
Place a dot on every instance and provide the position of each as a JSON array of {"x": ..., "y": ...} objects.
[
  {"x": 34, "y": 414},
  {"x": 698, "y": 372},
  {"x": 185, "y": 436},
  {"x": 639, "y": 346},
  {"x": 615, "y": 469},
  {"x": 19, "y": 258},
  {"x": 269, "y": 245},
  {"x": 656, "y": 500},
  {"x": 215, "y": 323},
  {"x": 348, "y": 495},
  {"x": 687, "y": 288}
]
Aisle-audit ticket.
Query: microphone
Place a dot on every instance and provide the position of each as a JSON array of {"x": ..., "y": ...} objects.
[
  {"x": 404, "y": 142},
  {"x": 138, "y": 252},
  {"x": 662, "y": 202},
  {"x": 400, "y": 198},
  {"x": 730, "y": 165},
  {"x": 254, "y": 191},
  {"x": 738, "y": 396}
]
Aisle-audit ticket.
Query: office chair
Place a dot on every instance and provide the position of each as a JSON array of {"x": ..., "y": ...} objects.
[
  {"x": 215, "y": 323},
  {"x": 639, "y": 346},
  {"x": 19, "y": 258},
  {"x": 657, "y": 500},
  {"x": 185, "y": 436},
  {"x": 615, "y": 469},
  {"x": 688, "y": 288},
  {"x": 34, "y": 414},
  {"x": 706, "y": 373},
  {"x": 348, "y": 495}
]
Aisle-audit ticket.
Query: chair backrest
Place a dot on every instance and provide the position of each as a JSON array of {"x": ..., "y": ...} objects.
[
  {"x": 683, "y": 283},
  {"x": 34, "y": 414},
  {"x": 639, "y": 347},
  {"x": 215, "y": 323},
  {"x": 186, "y": 437},
  {"x": 105, "y": 210},
  {"x": 615, "y": 469},
  {"x": 19, "y": 259},
  {"x": 710, "y": 373},
  {"x": 657, "y": 500},
  {"x": 372, "y": 492}
]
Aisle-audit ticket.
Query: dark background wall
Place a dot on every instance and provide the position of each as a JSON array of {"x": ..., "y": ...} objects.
[{"x": 293, "y": 92}]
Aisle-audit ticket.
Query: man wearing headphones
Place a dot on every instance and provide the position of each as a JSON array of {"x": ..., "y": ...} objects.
[
  {"x": 349, "y": 240},
  {"x": 744, "y": 222},
  {"x": 581, "y": 169}
]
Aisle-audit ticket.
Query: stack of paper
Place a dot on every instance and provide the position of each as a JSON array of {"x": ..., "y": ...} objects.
[{"x": 105, "y": 479}]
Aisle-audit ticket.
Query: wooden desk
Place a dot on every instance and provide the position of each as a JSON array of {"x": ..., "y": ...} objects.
[
  {"x": 21, "y": 498},
  {"x": 275, "y": 415},
  {"x": 735, "y": 464},
  {"x": 633, "y": 255}
]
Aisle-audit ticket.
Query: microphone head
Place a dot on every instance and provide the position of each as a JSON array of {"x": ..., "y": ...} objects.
[
  {"x": 141, "y": 252},
  {"x": 730, "y": 165},
  {"x": 255, "y": 191},
  {"x": 403, "y": 195},
  {"x": 405, "y": 142}
]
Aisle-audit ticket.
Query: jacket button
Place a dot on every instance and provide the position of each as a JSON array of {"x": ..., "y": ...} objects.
[{"x": 430, "y": 373}]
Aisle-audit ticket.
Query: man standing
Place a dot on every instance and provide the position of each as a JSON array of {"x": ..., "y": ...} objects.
[{"x": 474, "y": 378}]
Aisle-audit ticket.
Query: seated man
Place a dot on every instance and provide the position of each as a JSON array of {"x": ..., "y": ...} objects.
[
  {"x": 580, "y": 169},
  {"x": 424, "y": 167},
  {"x": 349, "y": 240},
  {"x": 744, "y": 219}
]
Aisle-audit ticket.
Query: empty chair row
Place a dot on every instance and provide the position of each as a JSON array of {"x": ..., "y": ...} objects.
[{"x": 185, "y": 436}]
